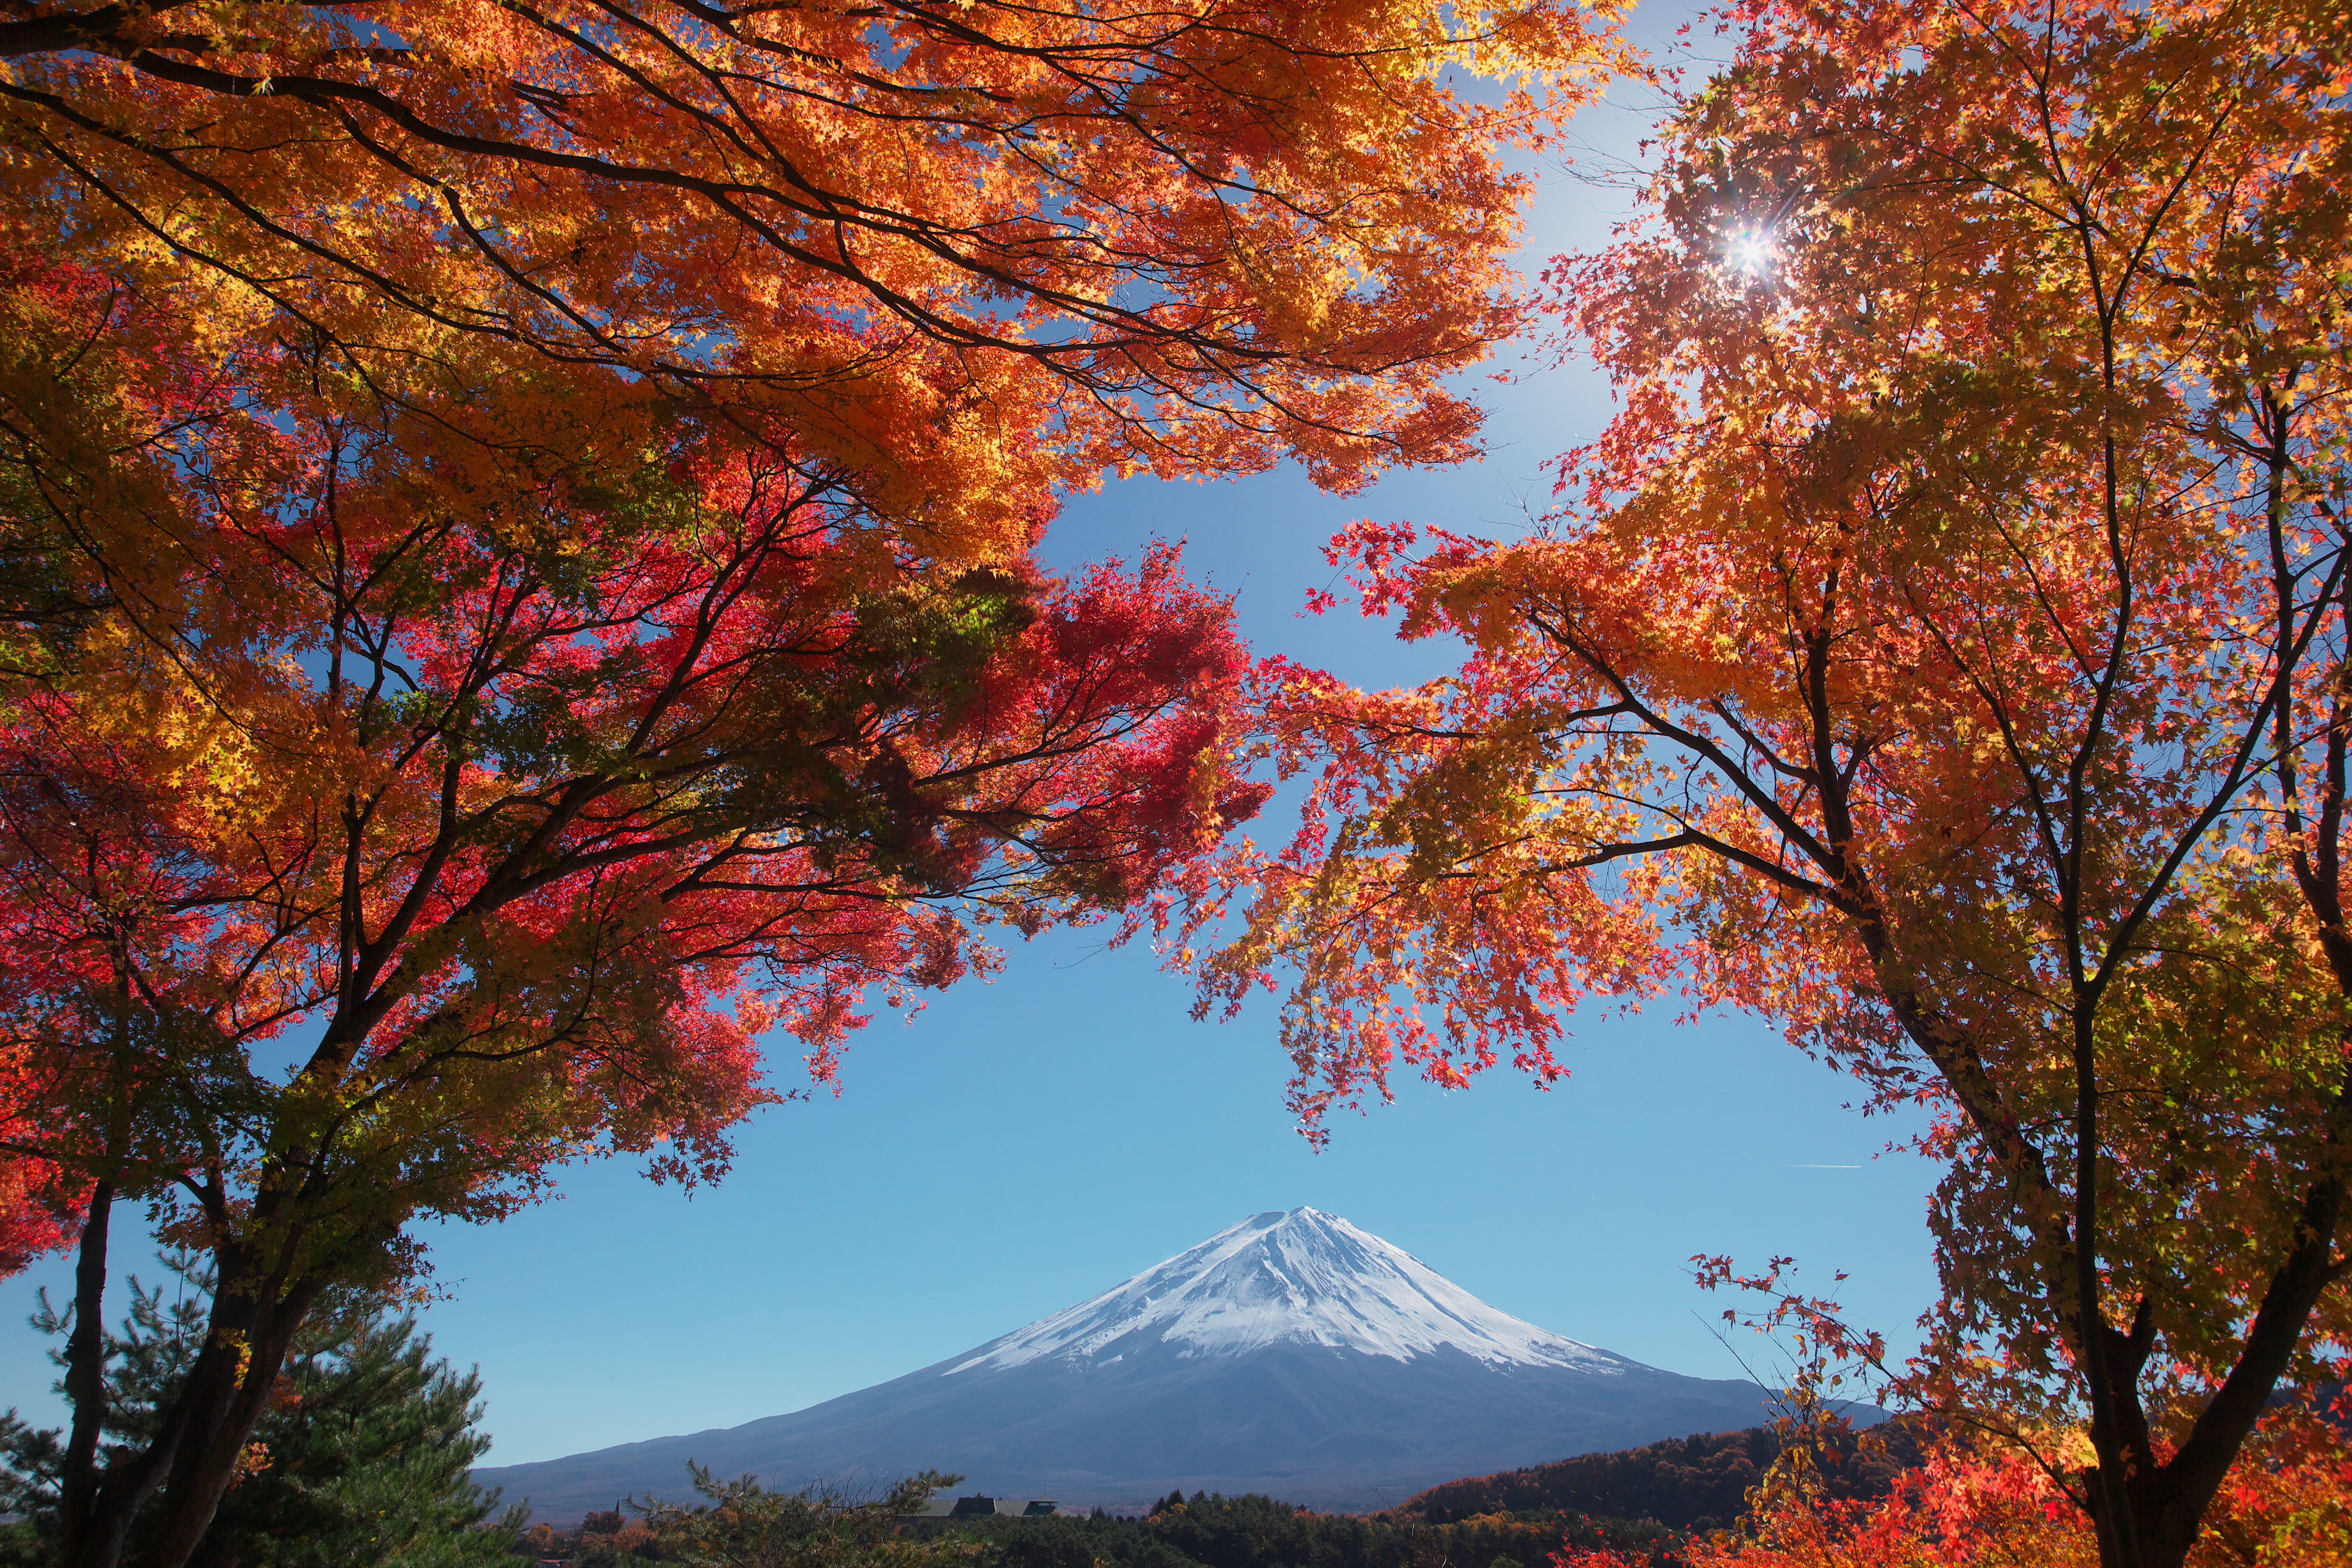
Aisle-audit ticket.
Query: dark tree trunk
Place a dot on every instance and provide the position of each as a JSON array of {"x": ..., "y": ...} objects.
[
  {"x": 2167, "y": 1503},
  {"x": 173, "y": 1487},
  {"x": 226, "y": 1393},
  {"x": 83, "y": 1535}
]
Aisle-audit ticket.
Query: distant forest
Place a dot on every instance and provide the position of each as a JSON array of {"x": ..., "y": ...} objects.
[
  {"x": 1644, "y": 1503},
  {"x": 1696, "y": 1483}
]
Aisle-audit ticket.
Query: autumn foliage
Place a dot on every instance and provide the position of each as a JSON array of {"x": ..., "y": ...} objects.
[
  {"x": 1940, "y": 655},
  {"x": 969, "y": 254},
  {"x": 391, "y": 813},
  {"x": 2287, "y": 1504},
  {"x": 516, "y": 574},
  {"x": 1701, "y": 1481}
]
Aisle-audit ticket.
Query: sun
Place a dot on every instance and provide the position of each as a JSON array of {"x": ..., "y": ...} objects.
[{"x": 1750, "y": 252}]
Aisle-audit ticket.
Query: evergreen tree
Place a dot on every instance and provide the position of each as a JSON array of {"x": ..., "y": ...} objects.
[
  {"x": 742, "y": 1524},
  {"x": 363, "y": 1457}
]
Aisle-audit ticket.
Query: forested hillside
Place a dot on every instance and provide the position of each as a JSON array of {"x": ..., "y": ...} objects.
[
  {"x": 1205, "y": 1532},
  {"x": 1699, "y": 1482},
  {"x": 1202, "y": 1532},
  {"x": 1644, "y": 1503}
]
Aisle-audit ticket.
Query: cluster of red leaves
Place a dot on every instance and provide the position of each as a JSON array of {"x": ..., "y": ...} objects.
[
  {"x": 2287, "y": 1504},
  {"x": 38, "y": 1209},
  {"x": 418, "y": 811}
]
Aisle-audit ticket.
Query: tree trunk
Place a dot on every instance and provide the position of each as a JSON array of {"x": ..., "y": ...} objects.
[
  {"x": 228, "y": 1392},
  {"x": 2167, "y": 1502},
  {"x": 83, "y": 1535},
  {"x": 193, "y": 1456}
]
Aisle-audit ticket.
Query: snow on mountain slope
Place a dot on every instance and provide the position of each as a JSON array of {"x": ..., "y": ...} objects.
[
  {"x": 1291, "y": 1353},
  {"x": 1300, "y": 1277}
]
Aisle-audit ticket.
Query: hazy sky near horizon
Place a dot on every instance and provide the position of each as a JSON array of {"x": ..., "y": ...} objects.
[{"x": 1029, "y": 1142}]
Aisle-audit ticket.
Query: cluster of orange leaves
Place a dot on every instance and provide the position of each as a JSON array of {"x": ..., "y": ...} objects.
[
  {"x": 1986, "y": 1504},
  {"x": 968, "y": 251}
]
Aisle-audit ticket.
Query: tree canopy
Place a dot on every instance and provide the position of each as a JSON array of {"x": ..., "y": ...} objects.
[
  {"x": 971, "y": 253},
  {"x": 1939, "y": 653},
  {"x": 516, "y": 576},
  {"x": 392, "y": 817}
]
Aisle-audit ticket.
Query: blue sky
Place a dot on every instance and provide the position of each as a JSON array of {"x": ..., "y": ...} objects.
[{"x": 1027, "y": 1143}]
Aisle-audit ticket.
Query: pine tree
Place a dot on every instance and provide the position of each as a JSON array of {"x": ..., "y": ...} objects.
[{"x": 363, "y": 1457}]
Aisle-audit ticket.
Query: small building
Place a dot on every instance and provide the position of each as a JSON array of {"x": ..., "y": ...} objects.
[{"x": 983, "y": 1504}]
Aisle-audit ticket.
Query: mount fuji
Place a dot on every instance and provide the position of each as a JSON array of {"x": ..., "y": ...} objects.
[{"x": 1291, "y": 1353}]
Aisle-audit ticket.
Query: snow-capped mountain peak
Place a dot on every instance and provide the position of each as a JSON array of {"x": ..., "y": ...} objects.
[
  {"x": 1295, "y": 1278},
  {"x": 1291, "y": 1354}
]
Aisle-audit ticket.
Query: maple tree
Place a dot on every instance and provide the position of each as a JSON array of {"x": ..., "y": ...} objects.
[
  {"x": 1939, "y": 653},
  {"x": 392, "y": 808}
]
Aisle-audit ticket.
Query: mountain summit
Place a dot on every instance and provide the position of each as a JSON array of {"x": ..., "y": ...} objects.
[
  {"x": 1298, "y": 1278},
  {"x": 1291, "y": 1353}
]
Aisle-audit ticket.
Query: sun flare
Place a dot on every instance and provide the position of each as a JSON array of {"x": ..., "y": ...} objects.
[{"x": 1750, "y": 252}]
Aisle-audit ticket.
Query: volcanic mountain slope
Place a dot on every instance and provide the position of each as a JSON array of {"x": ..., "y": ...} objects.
[{"x": 1291, "y": 1353}]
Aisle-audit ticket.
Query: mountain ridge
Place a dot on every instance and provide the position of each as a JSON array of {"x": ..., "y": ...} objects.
[{"x": 1290, "y": 1352}]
